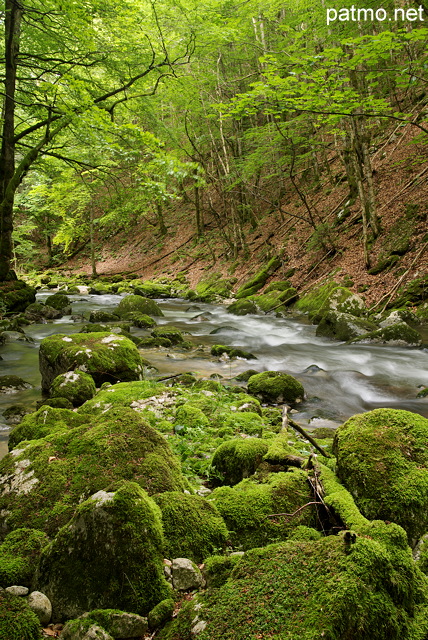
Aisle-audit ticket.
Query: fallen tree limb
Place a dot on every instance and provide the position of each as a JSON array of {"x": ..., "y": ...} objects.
[{"x": 307, "y": 437}]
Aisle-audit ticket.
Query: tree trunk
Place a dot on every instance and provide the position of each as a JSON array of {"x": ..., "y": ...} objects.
[{"x": 13, "y": 15}]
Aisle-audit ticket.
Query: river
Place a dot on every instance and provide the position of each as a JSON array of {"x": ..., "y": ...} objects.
[{"x": 340, "y": 380}]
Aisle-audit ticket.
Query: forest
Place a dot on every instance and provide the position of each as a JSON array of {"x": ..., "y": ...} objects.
[{"x": 214, "y": 320}]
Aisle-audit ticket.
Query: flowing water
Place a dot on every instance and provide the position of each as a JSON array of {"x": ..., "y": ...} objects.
[{"x": 340, "y": 380}]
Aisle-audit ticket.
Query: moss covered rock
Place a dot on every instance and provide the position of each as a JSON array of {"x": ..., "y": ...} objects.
[
  {"x": 237, "y": 459},
  {"x": 12, "y": 384},
  {"x": 217, "y": 569},
  {"x": 246, "y": 506},
  {"x": 19, "y": 554},
  {"x": 108, "y": 556},
  {"x": 76, "y": 386},
  {"x": 141, "y": 320},
  {"x": 275, "y": 387},
  {"x": 399, "y": 334},
  {"x": 161, "y": 613},
  {"x": 343, "y": 326},
  {"x": 42, "y": 422},
  {"x": 172, "y": 334},
  {"x": 41, "y": 484},
  {"x": 276, "y": 300},
  {"x": 17, "y": 621},
  {"x": 242, "y": 307},
  {"x": 149, "y": 289},
  {"x": 138, "y": 304},
  {"x": 259, "y": 279},
  {"x": 232, "y": 352},
  {"x": 59, "y": 301},
  {"x": 315, "y": 589},
  {"x": 100, "y": 315},
  {"x": 382, "y": 458},
  {"x": 189, "y": 416},
  {"x": 193, "y": 528},
  {"x": 213, "y": 287},
  {"x": 330, "y": 297},
  {"x": 37, "y": 312},
  {"x": 107, "y": 357},
  {"x": 16, "y": 295}
]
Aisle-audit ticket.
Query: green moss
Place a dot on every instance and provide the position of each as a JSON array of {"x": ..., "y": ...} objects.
[
  {"x": 276, "y": 387},
  {"x": 382, "y": 459},
  {"x": 244, "y": 422},
  {"x": 218, "y": 568},
  {"x": 58, "y": 301},
  {"x": 107, "y": 357},
  {"x": 245, "y": 508},
  {"x": 78, "y": 571},
  {"x": 237, "y": 459},
  {"x": 259, "y": 279},
  {"x": 316, "y": 589},
  {"x": 343, "y": 326},
  {"x": 151, "y": 289},
  {"x": 19, "y": 553},
  {"x": 17, "y": 621},
  {"x": 190, "y": 416},
  {"x": 330, "y": 297},
  {"x": 213, "y": 287},
  {"x": 76, "y": 386},
  {"x": 172, "y": 334},
  {"x": 276, "y": 300},
  {"x": 123, "y": 394},
  {"x": 16, "y": 295},
  {"x": 242, "y": 307},
  {"x": 400, "y": 334},
  {"x": 55, "y": 473},
  {"x": 193, "y": 528},
  {"x": 161, "y": 613},
  {"x": 141, "y": 320},
  {"x": 56, "y": 403},
  {"x": 232, "y": 352},
  {"x": 138, "y": 304},
  {"x": 44, "y": 421},
  {"x": 100, "y": 315}
]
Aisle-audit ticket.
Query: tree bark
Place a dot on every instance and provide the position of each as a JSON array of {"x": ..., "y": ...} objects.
[{"x": 13, "y": 16}]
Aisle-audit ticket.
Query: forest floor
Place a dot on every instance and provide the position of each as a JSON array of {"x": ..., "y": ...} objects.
[{"x": 400, "y": 172}]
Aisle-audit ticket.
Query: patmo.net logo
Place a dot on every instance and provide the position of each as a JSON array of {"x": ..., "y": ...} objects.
[{"x": 361, "y": 14}]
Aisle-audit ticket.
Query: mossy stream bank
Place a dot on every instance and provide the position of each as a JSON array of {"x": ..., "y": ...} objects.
[{"x": 115, "y": 490}]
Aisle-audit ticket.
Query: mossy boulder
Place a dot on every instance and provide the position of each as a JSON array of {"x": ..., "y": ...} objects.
[
  {"x": 382, "y": 458},
  {"x": 399, "y": 334},
  {"x": 232, "y": 352},
  {"x": 138, "y": 304},
  {"x": 17, "y": 621},
  {"x": 100, "y": 315},
  {"x": 188, "y": 416},
  {"x": 141, "y": 320},
  {"x": 161, "y": 613},
  {"x": 107, "y": 357},
  {"x": 275, "y": 387},
  {"x": 217, "y": 569},
  {"x": 16, "y": 295},
  {"x": 172, "y": 334},
  {"x": 242, "y": 307},
  {"x": 257, "y": 281},
  {"x": 343, "y": 326},
  {"x": 246, "y": 508},
  {"x": 330, "y": 297},
  {"x": 12, "y": 384},
  {"x": 42, "y": 422},
  {"x": 236, "y": 459},
  {"x": 37, "y": 312},
  {"x": 76, "y": 386},
  {"x": 309, "y": 590},
  {"x": 19, "y": 554},
  {"x": 150, "y": 289},
  {"x": 276, "y": 300},
  {"x": 41, "y": 483},
  {"x": 59, "y": 301},
  {"x": 212, "y": 287},
  {"x": 193, "y": 528},
  {"x": 108, "y": 556}
]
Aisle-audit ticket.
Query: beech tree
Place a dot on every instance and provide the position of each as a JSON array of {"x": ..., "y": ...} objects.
[{"x": 67, "y": 61}]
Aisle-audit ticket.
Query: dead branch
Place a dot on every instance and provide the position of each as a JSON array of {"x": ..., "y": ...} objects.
[{"x": 309, "y": 438}]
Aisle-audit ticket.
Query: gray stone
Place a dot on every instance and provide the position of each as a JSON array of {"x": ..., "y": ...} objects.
[
  {"x": 17, "y": 590},
  {"x": 41, "y": 606},
  {"x": 120, "y": 624},
  {"x": 74, "y": 630},
  {"x": 186, "y": 575}
]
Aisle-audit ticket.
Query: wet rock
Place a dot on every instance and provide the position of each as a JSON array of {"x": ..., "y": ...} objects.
[
  {"x": 399, "y": 334},
  {"x": 242, "y": 307},
  {"x": 13, "y": 384},
  {"x": 60, "y": 301},
  {"x": 102, "y": 316},
  {"x": 139, "y": 304},
  {"x": 38, "y": 312},
  {"x": 15, "y": 413},
  {"x": 343, "y": 326}
]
